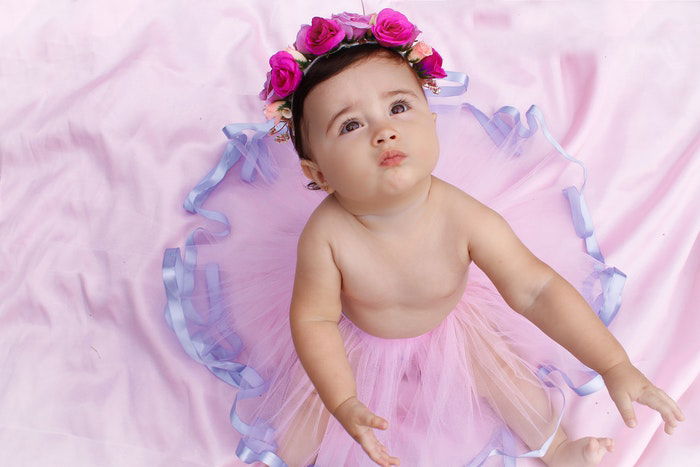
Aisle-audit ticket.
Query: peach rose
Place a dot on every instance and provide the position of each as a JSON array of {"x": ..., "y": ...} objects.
[
  {"x": 275, "y": 111},
  {"x": 420, "y": 51}
]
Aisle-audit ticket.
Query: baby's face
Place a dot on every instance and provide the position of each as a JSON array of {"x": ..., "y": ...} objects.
[{"x": 347, "y": 143}]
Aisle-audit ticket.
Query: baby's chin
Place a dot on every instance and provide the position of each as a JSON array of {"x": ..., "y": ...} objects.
[{"x": 397, "y": 182}]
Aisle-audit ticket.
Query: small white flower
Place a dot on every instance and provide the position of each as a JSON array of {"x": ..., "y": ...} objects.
[{"x": 298, "y": 56}]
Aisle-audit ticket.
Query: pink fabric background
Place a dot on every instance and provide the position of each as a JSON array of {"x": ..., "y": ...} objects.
[{"x": 111, "y": 111}]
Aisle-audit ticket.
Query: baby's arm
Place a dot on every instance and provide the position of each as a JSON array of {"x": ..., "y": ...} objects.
[
  {"x": 541, "y": 295},
  {"x": 314, "y": 314}
]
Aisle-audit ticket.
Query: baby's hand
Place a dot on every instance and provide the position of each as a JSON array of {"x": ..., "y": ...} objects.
[
  {"x": 626, "y": 384},
  {"x": 359, "y": 422}
]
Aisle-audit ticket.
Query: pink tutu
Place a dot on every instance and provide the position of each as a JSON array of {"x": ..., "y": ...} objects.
[{"x": 484, "y": 385}]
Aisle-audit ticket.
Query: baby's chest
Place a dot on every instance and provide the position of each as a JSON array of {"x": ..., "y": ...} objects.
[{"x": 408, "y": 275}]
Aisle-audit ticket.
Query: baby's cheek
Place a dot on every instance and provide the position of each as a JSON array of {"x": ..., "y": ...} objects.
[{"x": 432, "y": 147}]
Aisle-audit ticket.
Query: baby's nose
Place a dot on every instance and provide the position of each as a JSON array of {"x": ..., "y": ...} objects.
[{"x": 384, "y": 136}]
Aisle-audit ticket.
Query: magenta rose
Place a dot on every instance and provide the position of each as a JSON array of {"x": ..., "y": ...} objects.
[
  {"x": 432, "y": 66},
  {"x": 320, "y": 37},
  {"x": 284, "y": 77},
  {"x": 393, "y": 29},
  {"x": 354, "y": 25}
]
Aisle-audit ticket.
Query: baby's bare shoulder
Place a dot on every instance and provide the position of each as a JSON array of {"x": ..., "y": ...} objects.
[
  {"x": 462, "y": 205},
  {"x": 326, "y": 215},
  {"x": 324, "y": 221}
]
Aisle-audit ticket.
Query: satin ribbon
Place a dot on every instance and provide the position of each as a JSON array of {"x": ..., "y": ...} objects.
[
  {"x": 507, "y": 440},
  {"x": 257, "y": 443},
  {"x": 458, "y": 77}
]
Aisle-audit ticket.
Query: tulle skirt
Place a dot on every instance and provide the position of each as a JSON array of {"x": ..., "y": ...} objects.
[{"x": 484, "y": 386}]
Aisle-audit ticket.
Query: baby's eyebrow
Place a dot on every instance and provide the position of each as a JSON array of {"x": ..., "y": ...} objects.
[{"x": 350, "y": 106}]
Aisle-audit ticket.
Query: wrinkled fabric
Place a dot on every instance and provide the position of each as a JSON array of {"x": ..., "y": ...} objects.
[{"x": 111, "y": 112}]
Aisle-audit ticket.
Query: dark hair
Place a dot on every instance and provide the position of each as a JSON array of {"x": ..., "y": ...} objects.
[{"x": 325, "y": 68}]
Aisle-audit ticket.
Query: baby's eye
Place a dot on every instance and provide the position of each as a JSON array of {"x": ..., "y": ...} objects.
[
  {"x": 400, "y": 104},
  {"x": 346, "y": 124}
]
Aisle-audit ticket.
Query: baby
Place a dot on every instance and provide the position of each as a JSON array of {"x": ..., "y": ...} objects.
[{"x": 389, "y": 248}]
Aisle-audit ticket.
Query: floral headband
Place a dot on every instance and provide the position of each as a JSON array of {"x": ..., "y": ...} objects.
[{"x": 322, "y": 37}]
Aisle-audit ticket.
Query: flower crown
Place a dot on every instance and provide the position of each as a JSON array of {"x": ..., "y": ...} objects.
[{"x": 322, "y": 37}]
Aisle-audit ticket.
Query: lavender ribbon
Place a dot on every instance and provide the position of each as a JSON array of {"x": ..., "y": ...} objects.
[
  {"x": 504, "y": 437},
  {"x": 612, "y": 279},
  {"x": 217, "y": 357},
  {"x": 257, "y": 443},
  {"x": 458, "y": 77}
]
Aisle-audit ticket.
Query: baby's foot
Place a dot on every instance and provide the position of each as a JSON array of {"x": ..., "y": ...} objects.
[{"x": 581, "y": 452}]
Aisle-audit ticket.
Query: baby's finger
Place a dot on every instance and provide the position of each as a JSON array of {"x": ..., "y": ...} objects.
[
  {"x": 374, "y": 421},
  {"x": 377, "y": 456},
  {"x": 389, "y": 459},
  {"x": 668, "y": 429},
  {"x": 670, "y": 422},
  {"x": 381, "y": 456},
  {"x": 379, "y": 422},
  {"x": 624, "y": 406},
  {"x": 669, "y": 418},
  {"x": 674, "y": 406},
  {"x": 373, "y": 448},
  {"x": 659, "y": 401},
  {"x": 392, "y": 460},
  {"x": 386, "y": 460}
]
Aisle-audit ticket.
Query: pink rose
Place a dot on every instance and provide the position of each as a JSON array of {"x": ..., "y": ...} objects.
[
  {"x": 354, "y": 25},
  {"x": 419, "y": 51},
  {"x": 320, "y": 37},
  {"x": 284, "y": 77},
  {"x": 393, "y": 29},
  {"x": 431, "y": 66}
]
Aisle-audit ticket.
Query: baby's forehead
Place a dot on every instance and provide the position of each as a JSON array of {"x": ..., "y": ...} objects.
[
  {"x": 369, "y": 80},
  {"x": 378, "y": 71}
]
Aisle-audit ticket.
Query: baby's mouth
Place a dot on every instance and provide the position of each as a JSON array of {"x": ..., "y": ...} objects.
[{"x": 391, "y": 158}]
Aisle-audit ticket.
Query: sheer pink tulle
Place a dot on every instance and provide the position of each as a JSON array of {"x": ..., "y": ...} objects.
[{"x": 448, "y": 394}]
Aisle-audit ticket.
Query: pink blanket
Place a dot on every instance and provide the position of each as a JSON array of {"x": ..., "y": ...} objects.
[{"x": 112, "y": 112}]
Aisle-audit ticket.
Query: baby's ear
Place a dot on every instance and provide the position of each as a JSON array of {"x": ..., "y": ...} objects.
[
  {"x": 311, "y": 171},
  {"x": 309, "y": 168}
]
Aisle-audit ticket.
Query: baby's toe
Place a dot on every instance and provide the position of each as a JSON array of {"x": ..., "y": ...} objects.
[
  {"x": 590, "y": 450},
  {"x": 608, "y": 443},
  {"x": 595, "y": 449}
]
